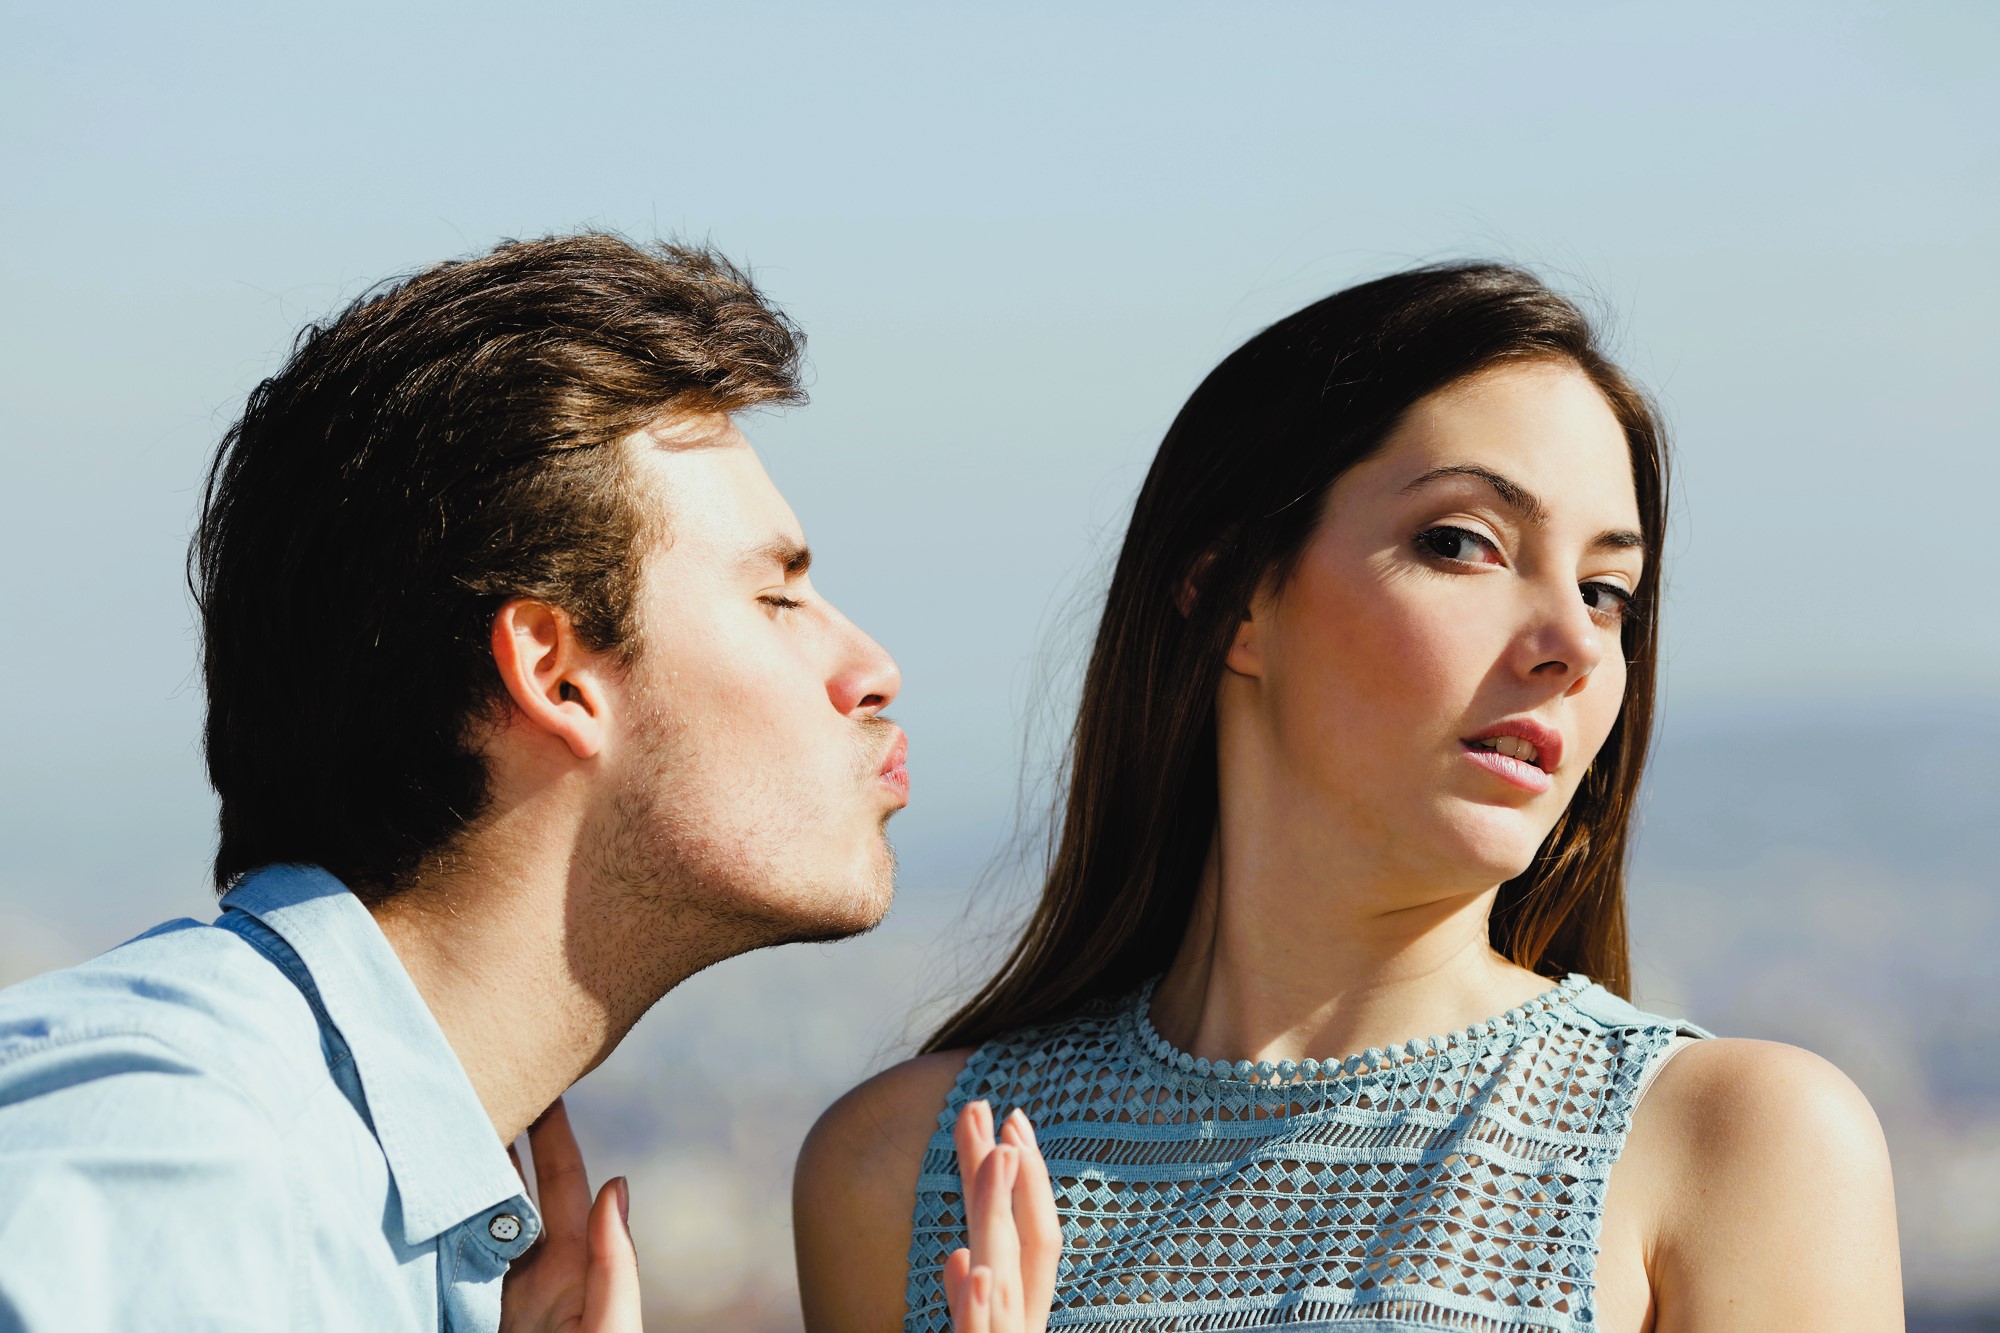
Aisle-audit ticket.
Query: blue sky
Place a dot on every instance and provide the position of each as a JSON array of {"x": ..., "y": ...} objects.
[{"x": 1016, "y": 236}]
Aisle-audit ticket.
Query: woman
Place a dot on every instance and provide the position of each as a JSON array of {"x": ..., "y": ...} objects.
[{"x": 1359, "y": 747}]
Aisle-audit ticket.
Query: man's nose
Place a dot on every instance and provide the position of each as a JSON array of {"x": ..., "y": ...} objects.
[{"x": 868, "y": 679}]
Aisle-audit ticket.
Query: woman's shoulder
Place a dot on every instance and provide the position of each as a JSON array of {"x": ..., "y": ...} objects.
[
  {"x": 897, "y": 1111},
  {"x": 855, "y": 1189},
  {"x": 1771, "y": 1176},
  {"x": 893, "y": 1113},
  {"x": 1740, "y": 1108}
]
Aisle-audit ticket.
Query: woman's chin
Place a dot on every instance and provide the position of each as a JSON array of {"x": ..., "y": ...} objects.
[{"x": 1492, "y": 844}]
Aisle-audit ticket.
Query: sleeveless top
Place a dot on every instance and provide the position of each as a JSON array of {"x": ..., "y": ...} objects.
[{"x": 1452, "y": 1182}]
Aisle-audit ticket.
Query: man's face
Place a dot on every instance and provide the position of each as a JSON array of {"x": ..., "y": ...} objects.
[{"x": 751, "y": 774}]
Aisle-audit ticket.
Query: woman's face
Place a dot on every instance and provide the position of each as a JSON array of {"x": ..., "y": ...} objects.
[{"x": 1445, "y": 661}]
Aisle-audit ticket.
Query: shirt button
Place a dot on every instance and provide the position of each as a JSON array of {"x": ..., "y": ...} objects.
[{"x": 504, "y": 1227}]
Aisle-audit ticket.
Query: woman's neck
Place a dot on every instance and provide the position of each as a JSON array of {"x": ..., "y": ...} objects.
[{"x": 1296, "y": 949}]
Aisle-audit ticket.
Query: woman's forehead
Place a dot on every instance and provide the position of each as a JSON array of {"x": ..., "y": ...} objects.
[{"x": 1544, "y": 426}]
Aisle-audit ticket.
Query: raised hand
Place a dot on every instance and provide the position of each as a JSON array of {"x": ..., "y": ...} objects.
[
  {"x": 582, "y": 1275},
  {"x": 1005, "y": 1280}
]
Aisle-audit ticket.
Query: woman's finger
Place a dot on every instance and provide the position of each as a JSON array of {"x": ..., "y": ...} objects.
[
  {"x": 1035, "y": 1221},
  {"x": 972, "y": 1133},
  {"x": 989, "y": 1222},
  {"x": 978, "y": 1302},
  {"x": 561, "y": 1186},
  {"x": 611, "y": 1282},
  {"x": 957, "y": 1272}
]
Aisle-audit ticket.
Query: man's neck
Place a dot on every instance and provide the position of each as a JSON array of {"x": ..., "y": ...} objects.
[
  {"x": 495, "y": 979},
  {"x": 533, "y": 974}
]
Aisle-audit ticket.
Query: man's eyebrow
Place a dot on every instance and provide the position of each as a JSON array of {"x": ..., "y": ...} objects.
[
  {"x": 1525, "y": 503},
  {"x": 795, "y": 558}
]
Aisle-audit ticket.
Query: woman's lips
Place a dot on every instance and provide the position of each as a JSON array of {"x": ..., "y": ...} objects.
[
  {"x": 1509, "y": 769},
  {"x": 1525, "y": 738}
]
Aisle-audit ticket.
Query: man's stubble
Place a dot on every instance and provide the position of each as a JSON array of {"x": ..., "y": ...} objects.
[{"x": 684, "y": 871}]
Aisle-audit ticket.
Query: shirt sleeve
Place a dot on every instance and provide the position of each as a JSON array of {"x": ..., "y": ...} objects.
[{"x": 137, "y": 1191}]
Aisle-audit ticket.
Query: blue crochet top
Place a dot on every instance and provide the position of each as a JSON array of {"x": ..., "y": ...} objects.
[{"x": 1454, "y": 1182}]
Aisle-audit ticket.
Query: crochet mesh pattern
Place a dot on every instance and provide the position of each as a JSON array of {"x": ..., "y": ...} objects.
[{"x": 1452, "y": 1182}]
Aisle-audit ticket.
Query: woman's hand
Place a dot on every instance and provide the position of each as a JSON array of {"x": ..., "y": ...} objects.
[
  {"x": 582, "y": 1275},
  {"x": 1005, "y": 1281}
]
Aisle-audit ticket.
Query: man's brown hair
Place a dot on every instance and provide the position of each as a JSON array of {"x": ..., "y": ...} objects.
[{"x": 446, "y": 442}]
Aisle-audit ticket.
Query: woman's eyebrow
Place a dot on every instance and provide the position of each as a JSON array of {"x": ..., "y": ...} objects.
[
  {"x": 1618, "y": 539},
  {"x": 1512, "y": 493},
  {"x": 1524, "y": 502}
]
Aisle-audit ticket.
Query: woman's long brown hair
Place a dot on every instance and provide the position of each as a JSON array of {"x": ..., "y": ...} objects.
[{"x": 1233, "y": 495}]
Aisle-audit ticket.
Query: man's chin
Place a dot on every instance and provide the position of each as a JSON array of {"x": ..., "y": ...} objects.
[
  {"x": 866, "y": 910},
  {"x": 843, "y": 923},
  {"x": 843, "y": 912}
]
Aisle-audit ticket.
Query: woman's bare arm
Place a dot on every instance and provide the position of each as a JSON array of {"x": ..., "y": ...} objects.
[
  {"x": 1779, "y": 1211},
  {"x": 855, "y": 1191}
]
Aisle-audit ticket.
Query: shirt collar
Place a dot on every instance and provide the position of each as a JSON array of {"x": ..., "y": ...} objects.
[{"x": 448, "y": 1163}]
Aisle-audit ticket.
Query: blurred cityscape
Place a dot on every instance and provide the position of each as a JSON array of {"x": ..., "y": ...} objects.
[{"x": 1826, "y": 878}]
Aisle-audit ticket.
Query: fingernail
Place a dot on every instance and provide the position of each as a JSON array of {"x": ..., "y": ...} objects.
[
  {"x": 1019, "y": 1119},
  {"x": 624, "y": 1203}
]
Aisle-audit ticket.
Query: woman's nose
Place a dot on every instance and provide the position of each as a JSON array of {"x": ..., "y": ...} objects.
[{"x": 1564, "y": 642}]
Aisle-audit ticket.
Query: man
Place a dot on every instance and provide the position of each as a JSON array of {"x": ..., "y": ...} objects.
[{"x": 521, "y": 709}]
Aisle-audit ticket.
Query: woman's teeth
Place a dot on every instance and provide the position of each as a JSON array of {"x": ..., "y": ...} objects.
[{"x": 1512, "y": 746}]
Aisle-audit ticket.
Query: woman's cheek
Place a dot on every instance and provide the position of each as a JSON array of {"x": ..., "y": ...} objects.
[
  {"x": 1428, "y": 645},
  {"x": 1375, "y": 659}
]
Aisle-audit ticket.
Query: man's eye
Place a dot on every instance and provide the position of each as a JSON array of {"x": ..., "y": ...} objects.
[
  {"x": 780, "y": 602},
  {"x": 1458, "y": 545}
]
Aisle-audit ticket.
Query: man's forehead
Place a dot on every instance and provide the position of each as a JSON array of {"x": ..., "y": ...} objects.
[{"x": 713, "y": 486}]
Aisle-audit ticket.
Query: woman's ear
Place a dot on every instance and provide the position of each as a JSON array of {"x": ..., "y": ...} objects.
[
  {"x": 1246, "y": 650},
  {"x": 555, "y": 684}
]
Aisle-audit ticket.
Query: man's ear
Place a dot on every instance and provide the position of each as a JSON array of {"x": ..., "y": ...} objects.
[{"x": 555, "y": 684}]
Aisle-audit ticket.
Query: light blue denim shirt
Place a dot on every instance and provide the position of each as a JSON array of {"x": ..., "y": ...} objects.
[{"x": 254, "y": 1124}]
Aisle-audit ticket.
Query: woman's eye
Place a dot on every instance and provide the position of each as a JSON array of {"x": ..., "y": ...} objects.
[
  {"x": 1460, "y": 545},
  {"x": 1606, "y": 600}
]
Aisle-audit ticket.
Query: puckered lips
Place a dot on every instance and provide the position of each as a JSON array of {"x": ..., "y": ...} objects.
[
  {"x": 1519, "y": 750},
  {"x": 895, "y": 771}
]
